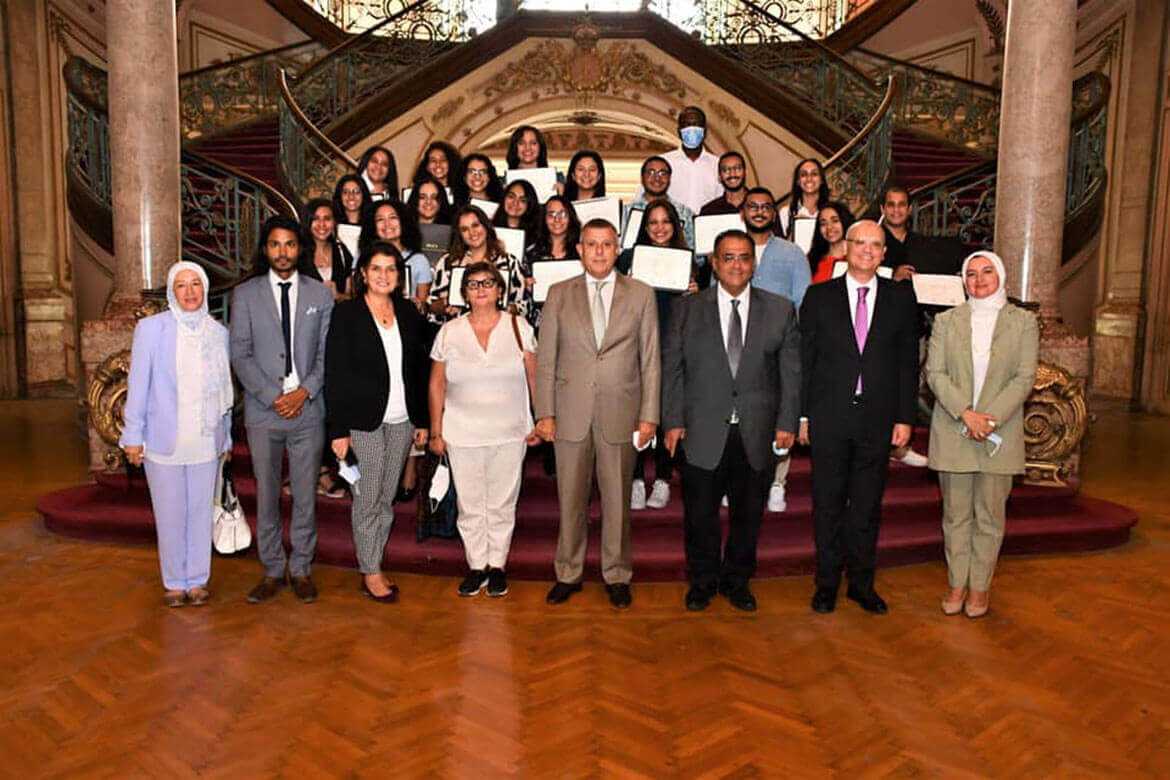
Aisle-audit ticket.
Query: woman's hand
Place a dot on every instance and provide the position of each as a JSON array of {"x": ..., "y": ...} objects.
[
  {"x": 340, "y": 447},
  {"x": 420, "y": 437},
  {"x": 438, "y": 446},
  {"x": 134, "y": 454},
  {"x": 533, "y": 439},
  {"x": 529, "y": 282},
  {"x": 979, "y": 425}
]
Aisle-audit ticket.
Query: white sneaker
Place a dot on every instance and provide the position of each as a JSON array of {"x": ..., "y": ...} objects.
[
  {"x": 776, "y": 502},
  {"x": 724, "y": 502},
  {"x": 638, "y": 495},
  {"x": 911, "y": 458},
  {"x": 659, "y": 494}
]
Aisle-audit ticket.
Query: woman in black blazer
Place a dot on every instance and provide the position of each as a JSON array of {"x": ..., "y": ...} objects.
[{"x": 377, "y": 370}]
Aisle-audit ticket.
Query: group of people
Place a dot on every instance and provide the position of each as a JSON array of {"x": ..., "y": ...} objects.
[{"x": 786, "y": 335}]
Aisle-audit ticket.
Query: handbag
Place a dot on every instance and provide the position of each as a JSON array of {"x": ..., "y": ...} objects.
[
  {"x": 436, "y": 513},
  {"x": 229, "y": 528}
]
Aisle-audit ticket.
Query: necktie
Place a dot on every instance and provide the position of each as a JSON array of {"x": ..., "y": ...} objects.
[
  {"x": 734, "y": 338},
  {"x": 861, "y": 326},
  {"x": 286, "y": 326},
  {"x": 598, "y": 312}
]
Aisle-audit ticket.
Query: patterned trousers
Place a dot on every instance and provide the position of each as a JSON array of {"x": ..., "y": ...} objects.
[{"x": 381, "y": 454}]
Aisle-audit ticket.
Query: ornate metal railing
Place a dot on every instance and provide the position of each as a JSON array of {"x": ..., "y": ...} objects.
[
  {"x": 88, "y": 156},
  {"x": 309, "y": 163},
  {"x": 962, "y": 111},
  {"x": 858, "y": 172},
  {"x": 1086, "y": 149},
  {"x": 360, "y": 16},
  {"x": 416, "y": 32},
  {"x": 227, "y": 94}
]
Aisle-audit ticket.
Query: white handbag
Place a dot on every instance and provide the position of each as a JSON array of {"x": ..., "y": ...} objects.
[{"x": 229, "y": 531}]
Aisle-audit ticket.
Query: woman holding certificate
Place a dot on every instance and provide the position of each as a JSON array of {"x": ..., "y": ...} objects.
[
  {"x": 428, "y": 203},
  {"x": 391, "y": 221},
  {"x": 661, "y": 227},
  {"x": 981, "y": 365},
  {"x": 479, "y": 401},
  {"x": 810, "y": 191},
  {"x": 441, "y": 162},
  {"x": 477, "y": 181},
  {"x": 527, "y": 149},
  {"x": 829, "y": 245},
  {"x": 586, "y": 179},
  {"x": 351, "y": 199},
  {"x": 331, "y": 259},
  {"x": 473, "y": 240},
  {"x": 520, "y": 210},
  {"x": 378, "y": 171}
]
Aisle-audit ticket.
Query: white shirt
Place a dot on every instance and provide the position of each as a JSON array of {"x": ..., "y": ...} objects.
[
  {"x": 191, "y": 445},
  {"x": 851, "y": 286},
  {"x": 487, "y": 390},
  {"x": 760, "y": 251},
  {"x": 725, "y": 298},
  {"x": 396, "y": 400},
  {"x": 606, "y": 292},
  {"x": 275, "y": 281},
  {"x": 694, "y": 183}
]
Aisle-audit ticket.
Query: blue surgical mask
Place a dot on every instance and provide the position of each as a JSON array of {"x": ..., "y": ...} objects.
[{"x": 692, "y": 137}]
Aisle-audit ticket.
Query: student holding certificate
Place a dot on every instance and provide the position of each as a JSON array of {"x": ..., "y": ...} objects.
[
  {"x": 478, "y": 181},
  {"x": 351, "y": 199},
  {"x": 391, "y": 221},
  {"x": 556, "y": 240},
  {"x": 474, "y": 240},
  {"x": 829, "y": 245},
  {"x": 586, "y": 179},
  {"x": 520, "y": 210},
  {"x": 429, "y": 204},
  {"x": 810, "y": 191},
  {"x": 378, "y": 171},
  {"x": 441, "y": 162},
  {"x": 331, "y": 260},
  {"x": 661, "y": 227},
  {"x": 527, "y": 149}
]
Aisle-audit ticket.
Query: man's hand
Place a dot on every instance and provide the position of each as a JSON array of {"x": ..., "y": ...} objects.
[
  {"x": 134, "y": 454},
  {"x": 289, "y": 405},
  {"x": 802, "y": 437},
  {"x": 546, "y": 428},
  {"x": 672, "y": 437},
  {"x": 901, "y": 435},
  {"x": 340, "y": 447},
  {"x": 979, "y": 424},
  {"x": 903, "y": 272},
  {"x": 784, "y": 439},
  {"x": 645, "y": 432}
]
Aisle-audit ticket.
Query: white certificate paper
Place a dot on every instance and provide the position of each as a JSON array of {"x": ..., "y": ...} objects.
[
  {"x": 609, "y": 209},
  {"x": 802, "y": 233},
  {"x": 708, "y": 228},
  {"x": 840, "y": 267},
  {"x": 349, "y": 235},
  {"x": 513, "y": 241},
  {"x": 939, "y": 289},
  {"x": 488, "y": 207},
  {"x": 407, "y": 281},
  {"x": 662, "y": 268},
  {"x": 546, "y": 273},
  {"x": 633, "y": 225},
  {"x": 543, "y": 180},
  {"x": 455, "y": 291}
]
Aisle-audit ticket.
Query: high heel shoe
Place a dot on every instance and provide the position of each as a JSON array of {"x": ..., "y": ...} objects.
[
  {"x": 977, "y": 610},
  {"x": 953, "y": 606}
]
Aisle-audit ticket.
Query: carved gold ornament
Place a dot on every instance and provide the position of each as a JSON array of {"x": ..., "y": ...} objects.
[
  {"x": 1055, "y": 419},
  {"x": 106, "y": 399}
]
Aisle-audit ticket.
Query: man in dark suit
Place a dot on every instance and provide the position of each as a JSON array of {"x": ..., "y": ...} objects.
[
  {"x": 731, "y": 389},
  {"x": 859, "y": 365}
]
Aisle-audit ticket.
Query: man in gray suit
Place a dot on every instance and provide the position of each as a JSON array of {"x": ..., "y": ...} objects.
[
  {"x": 279, "y": 320},
  {"x": 730, "y": 394}
]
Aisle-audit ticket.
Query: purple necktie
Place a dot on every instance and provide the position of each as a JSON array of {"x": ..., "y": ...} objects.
[{"x": 861, "y": 326}]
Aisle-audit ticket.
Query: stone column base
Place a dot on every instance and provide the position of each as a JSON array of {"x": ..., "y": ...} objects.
[{"x": 1118, "y": 334}]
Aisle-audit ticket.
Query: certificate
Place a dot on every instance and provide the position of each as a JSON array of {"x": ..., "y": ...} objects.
[
  {"x": 802, "y": 232},
  {"x": 708, "y": 228},
  {"x": 543, "y": 180},
  {"x": 349, "y": 235},
  {"x": 488, "y": 207},
  {"x": 840, "y": 267},
  {"x": 435, "y": 241},
  {"x": 939, "y": 289},
  {"x": 662, "y": 268},
  {"x": 546, "y": 273},
  {"x": 455, "y": 291},
  {"x": 633, "y": 225},
  {"x": 609, "y": 209},
  {"x": 513, "y": 239},
  {"x": 407, "y": 281}
]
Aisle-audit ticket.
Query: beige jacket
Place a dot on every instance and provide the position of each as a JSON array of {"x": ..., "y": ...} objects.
[
  {"x": 621, "y": 381},
  {"x": 1011, "y": 373}
]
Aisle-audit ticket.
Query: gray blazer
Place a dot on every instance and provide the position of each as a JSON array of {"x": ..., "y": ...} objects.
[
  {"x": 1011, "y": 372},
  {"x": 257, "y": 348},
  {"x": 698, "y": 391}
]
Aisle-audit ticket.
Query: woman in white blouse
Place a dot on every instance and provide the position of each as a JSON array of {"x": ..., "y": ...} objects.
[
  {"x": 479, "y": 409},
  {"x": 178, "y": 421}
]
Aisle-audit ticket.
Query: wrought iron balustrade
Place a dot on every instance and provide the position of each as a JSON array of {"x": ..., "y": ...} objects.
[
  {"x": 88, "y": 157},
  {"x": 309, "y": 163},
  {"x": 858, "y": 172},
  {"x": 360, "y": 16},
  {"x": 1086, "y": 149}
]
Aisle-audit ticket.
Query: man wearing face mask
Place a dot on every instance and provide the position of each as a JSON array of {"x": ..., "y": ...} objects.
[{"x": 695, "y": 172}]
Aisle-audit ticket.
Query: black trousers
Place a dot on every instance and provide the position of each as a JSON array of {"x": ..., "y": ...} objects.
[
  {"x": 703, "y": 491},
  {"x": 849, "y": 472},
  {"x": 663, "y": 465}
]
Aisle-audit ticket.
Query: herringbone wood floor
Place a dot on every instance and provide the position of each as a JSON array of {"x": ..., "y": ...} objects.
[{"x": 1067, "y": 676}]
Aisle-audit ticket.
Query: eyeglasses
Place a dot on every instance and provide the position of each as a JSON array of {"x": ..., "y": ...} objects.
[
  {"x": 477, "y": 171},
  {"x": 475, "y": 284},
  {"x": 731, "y": 169},
  {"x": 757, "y": 207},
  {"x": 351, "y": 192},
  {"x": 558, "y": 215},
  {"x": 657, "y": 173}
]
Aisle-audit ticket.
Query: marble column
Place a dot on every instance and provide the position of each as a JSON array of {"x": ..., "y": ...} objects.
[
  {"x": 1035, "y": 110},
  {"x": 144, "y": 143}
]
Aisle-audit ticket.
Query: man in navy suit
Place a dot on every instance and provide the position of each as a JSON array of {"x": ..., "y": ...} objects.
[{"x": 859, "y": 365}]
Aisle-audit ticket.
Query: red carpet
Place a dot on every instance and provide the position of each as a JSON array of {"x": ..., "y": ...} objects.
[
  {"x": 1039, "y": 520},
  {"x": 252, "y": 148}
]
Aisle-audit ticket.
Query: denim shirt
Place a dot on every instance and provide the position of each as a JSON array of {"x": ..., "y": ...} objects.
[{"x": 783, "y": 269}]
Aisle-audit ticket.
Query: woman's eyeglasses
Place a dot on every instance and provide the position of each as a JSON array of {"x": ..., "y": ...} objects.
[{"x": 475, "y": 284}]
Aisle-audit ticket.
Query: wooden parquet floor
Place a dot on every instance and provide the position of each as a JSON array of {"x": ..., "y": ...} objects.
[{"x": 1066, "y": 677}]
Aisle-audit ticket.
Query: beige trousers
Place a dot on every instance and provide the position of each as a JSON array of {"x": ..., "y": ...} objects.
[
  {"x": 487, "y": 486},
  {"x": 973, "y": 523},
  {"x": 781, "y": 475}
]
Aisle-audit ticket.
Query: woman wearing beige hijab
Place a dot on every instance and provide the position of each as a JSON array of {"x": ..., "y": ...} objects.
[{"x": 981, "y": 366}]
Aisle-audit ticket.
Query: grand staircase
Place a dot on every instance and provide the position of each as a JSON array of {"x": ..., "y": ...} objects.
[{"x": 266, "y": 133}]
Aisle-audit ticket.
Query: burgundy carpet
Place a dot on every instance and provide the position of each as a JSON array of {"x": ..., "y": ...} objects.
[
  {"x": 252, "y": 149},
  {"x": 1039, "y": 520}
]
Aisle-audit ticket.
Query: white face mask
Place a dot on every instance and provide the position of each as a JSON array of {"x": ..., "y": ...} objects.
[
  {"x": 692, "y": 137},
  {"x": 440, "y": 484}
]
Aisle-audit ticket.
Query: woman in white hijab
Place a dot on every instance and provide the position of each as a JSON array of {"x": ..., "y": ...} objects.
[
  {"x": 981, "y": 365},
  {"x": 178, "y": 423}
]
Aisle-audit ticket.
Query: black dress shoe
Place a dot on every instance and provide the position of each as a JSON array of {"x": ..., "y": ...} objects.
[
  {"x": 824, "y": 600},
  {"x": 619, "y": 595},
  {"x": 304, "y": 589},
  {"x": 265, "y": 589},
  {"x": 698, "y": 598},
  {"x": 561, "y": 591},
  {"x": 740, "y": 596},
  {"x": 869, "y": 600},
  {"x": 390, "y": 597}
]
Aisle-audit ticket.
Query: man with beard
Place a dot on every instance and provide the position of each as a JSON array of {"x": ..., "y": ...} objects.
[
  {"x": 733, "y": 176},
  {"x": 656, "y": 177}
]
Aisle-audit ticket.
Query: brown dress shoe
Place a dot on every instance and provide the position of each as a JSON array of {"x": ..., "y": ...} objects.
[
  {"x": 265, "y": 589},
  {"x": 198, "y": 596},
  {"x": 304, "y": 589},
  {"x": 174, "y": 598}
]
